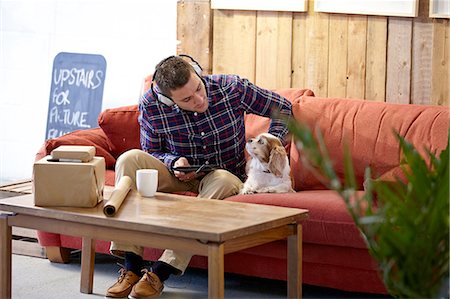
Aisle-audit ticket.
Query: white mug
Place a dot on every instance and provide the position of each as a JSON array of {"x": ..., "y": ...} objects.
[{"x": 147, "y": 182}]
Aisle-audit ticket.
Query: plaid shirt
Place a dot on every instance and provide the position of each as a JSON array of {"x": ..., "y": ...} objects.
[{"x": 215, "y": 137}]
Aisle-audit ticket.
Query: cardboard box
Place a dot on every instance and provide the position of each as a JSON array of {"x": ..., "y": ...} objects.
[
  {"x": 80, "y": 153},
  {"x": 68, "y": 184}
]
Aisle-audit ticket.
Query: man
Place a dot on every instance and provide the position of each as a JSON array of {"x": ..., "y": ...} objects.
[{"x": 190, "y": 119}]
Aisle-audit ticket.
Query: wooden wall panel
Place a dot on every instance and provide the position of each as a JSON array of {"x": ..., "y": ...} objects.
[
  {"x": 421, "y": 56},
  {"x": 398, "y": 85},
  {"x": 234, "y": 43},
  {"x": 375, "y": 80},
  {"x": 316, "y": 51},
  {"x": 337, "y": 57},
  {"x": 421, "y": 63},
  {"x": 356, "y": 55},
  {"x": 298, "y": 79},
  {"x": 394, "y": 59},
  {"x": 273, "y": 49},
  {"x": 195, "y": 16},
  {"x": 440, "y": 77}
]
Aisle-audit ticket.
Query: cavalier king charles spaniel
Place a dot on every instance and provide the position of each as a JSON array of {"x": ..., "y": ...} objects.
[{"x": 268, "y": 169}]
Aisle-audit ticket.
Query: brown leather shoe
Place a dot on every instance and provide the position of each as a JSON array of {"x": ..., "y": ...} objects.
[
  {"x": 148, "y": 287},
  {"x": 124, "y": 284}
]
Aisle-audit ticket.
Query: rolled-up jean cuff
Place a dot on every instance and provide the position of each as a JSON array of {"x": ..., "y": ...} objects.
[{"x": 119, "y": 249}]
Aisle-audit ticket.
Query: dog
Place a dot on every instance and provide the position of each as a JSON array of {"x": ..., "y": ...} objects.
[{"x": 268, "y": 169}]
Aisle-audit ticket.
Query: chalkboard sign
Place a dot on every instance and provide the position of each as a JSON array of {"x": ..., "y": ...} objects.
[{"x": 76, "y": 93}]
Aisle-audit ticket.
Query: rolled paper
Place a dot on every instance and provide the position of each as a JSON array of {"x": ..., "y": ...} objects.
[{"x": 118, "y": 195}]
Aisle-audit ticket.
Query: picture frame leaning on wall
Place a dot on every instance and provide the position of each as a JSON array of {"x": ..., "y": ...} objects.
[
  {"x": 440, "y": 9},
  {"x": 401, "y": 8}
]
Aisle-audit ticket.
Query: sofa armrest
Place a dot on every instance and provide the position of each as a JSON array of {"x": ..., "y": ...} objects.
[{"x": 94, "y": 137}]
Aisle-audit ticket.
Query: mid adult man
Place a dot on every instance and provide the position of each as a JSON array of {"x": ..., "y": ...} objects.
[{"x": 190, "y": 119}]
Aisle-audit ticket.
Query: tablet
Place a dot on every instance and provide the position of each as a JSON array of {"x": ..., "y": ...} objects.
[{"x": 196, "y": 168}]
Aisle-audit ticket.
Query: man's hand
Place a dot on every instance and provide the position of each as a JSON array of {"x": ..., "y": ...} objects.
[{"x": 183, "y": 176}]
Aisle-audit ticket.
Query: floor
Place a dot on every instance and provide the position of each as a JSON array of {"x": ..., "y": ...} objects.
[{"x": 38, "y": 278}]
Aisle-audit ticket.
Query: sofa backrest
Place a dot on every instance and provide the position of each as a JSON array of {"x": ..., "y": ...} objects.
[{"x": 367, "y": 127}]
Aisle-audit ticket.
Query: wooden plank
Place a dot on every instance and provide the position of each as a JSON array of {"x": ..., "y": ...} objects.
[
  {"x": 4, "y": 194},
  {"x": 356, "y": 67},
  {"x": 28, "y": 248},
  {"x": 22, "y": 187},
  {"x": 234, "y": 43},
  {"x": 25, "y": 242},
  {"x": 317, "y": 54},
  {"x": 194, "y": 31},
  {"x": 421, "y": 63},
  {"x": 298, "y": 50},
  {"x": 337, "y": 57},
  {"x": 15, "y": 183},
  {"x": 440, "y": 81},
  {"x": 376, "y": 59},
  {"x": 294, "y": 254},
  {"x": 398, "y": 84},
  {"x": 87, "y": 265},
  {"x": 421, "y": 57},
  {"x": 5, "y": 257},
  {"x": 258, "y": 239},
  {"x": 24, "y": 232},
  {"x": 273, "y": 49},
  {"x": 216, "y": 277}
]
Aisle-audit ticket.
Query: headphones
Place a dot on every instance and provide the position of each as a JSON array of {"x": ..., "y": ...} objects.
[{"x": 166, "y": 99}]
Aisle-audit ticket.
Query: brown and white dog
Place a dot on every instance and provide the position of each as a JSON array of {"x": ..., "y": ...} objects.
[{"x": 268, "y": 169}]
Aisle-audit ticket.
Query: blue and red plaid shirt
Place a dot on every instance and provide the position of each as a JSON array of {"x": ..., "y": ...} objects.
[{"x": 217, "y": 136}]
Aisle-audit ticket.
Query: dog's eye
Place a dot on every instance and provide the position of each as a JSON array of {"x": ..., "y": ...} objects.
[{"x": 260, "y": 141}]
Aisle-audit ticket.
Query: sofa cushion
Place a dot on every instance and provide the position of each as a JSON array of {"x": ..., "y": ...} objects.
[
  {"x": 329, "y": 222},
  {"x": 122, "y": 128},
  {"x": 94, "y": 137},
  {"x": 367, "y": 127}
]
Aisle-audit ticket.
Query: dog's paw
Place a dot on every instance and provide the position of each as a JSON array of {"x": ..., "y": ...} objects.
[
  {"x": 247, "y": 191},
  {"x": 267, "y": 190}
]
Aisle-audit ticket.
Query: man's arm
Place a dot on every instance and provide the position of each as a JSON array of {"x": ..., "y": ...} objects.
[
  {"x": 267, "y": 103},
  {"x": 151, "y": 142}
]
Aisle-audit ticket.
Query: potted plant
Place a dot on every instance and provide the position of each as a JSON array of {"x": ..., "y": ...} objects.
[{"x": 405, "y": 223}]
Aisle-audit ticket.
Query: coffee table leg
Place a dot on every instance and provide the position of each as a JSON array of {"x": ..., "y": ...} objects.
[
  {"x": 295, "y": 264},
  {"x": 5, "y": 257},
  {"x": 215, "y": 271},
  {"x": 87, "y": 265}
]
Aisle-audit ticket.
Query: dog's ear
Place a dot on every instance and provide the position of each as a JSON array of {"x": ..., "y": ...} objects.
[{"x": 277, "y": 160}]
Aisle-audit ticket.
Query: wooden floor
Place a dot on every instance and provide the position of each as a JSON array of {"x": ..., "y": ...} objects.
[{"x": 24, "y": 240}]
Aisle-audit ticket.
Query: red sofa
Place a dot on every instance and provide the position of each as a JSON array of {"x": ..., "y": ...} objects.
[{"x": 334, "y": 253}]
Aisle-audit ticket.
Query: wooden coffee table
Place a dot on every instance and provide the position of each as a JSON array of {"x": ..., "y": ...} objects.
[{"x": 205, "y": 227}]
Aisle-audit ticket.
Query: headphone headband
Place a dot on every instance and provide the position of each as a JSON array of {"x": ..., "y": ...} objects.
[{"x": 166, "y": 99}]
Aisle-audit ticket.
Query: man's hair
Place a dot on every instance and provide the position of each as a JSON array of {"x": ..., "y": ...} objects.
[{"x": 172, "y": 73}]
